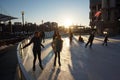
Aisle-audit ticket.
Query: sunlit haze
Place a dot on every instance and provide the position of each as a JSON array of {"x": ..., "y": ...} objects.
[
  {"x": 77, "y": 11},
  {"x": 67, "y": 23}
]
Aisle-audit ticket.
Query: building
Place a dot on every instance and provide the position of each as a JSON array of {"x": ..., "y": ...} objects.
[
  {"x": 49, "y": 26},
  {"x": 109, "y": 19}
]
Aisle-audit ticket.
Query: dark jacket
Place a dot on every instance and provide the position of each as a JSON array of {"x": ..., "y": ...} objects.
[
  {"x": 58, "y": 44},
  {"x": 106, "y": 39},
  {"x": 91, "y": 37},
  {"x": 36, "y": 43}
]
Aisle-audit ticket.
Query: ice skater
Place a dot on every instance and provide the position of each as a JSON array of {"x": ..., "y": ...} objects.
[
  {"x": 80, "y": 39},
  {"x": 70, "y": 36},
  {"x": 43, "y": 36},
  {"x": 36, "y": 40},
  {"x": 105, "y": 41},
  {"x": 57, "y": 47},
  {"x": 90, "y": 40}
]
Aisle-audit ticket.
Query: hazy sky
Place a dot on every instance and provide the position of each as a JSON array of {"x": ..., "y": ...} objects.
[{"x": 48, "y": 10}]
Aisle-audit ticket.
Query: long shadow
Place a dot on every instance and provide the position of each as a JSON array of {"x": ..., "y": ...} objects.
[
  {"x": 48, "y": 57},
  {"x": 56, "y": 74},
  {"x": 51, "y": 74},
  {"x": 46, "y": 60},
  {"x": 78, "y": 68},
  {"x": 75, "y": 39},
  {"x": 78, "y": 42},
  {"x": 47, "y": 46}
]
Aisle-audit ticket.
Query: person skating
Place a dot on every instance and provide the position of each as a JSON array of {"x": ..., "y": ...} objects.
[
  {"x": 43, "y": 36},
  {"x": 80, "y": 39},
  {"x": 90, "y": 40},
  {"x": 105, "y": 40},
  {"x": 36, "y": 40},
  {"x": 70, "y": 36},
  {"x": 57, "y": 47}
]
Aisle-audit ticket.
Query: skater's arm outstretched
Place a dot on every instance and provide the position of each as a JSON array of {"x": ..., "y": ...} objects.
[{"x": 28, "y": 44}]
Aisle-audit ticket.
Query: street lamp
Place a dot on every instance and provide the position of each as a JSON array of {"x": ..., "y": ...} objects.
[{"x": 23, "y": 20}]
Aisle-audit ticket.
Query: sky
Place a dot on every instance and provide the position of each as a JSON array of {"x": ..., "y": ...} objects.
[{"x": 60, "y": 11}]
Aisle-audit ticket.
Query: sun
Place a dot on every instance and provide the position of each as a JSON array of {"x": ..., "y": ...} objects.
[{"x": 67, "y": 23}]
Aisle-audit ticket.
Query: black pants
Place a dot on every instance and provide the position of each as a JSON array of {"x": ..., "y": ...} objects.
[
  {"x": 70, "y": 38},
  {"x": 88, "y": 43},
  {"x": 57, "y": 54},
  {"x": 37, "y": 53},
  {"x": 105, "y": 43}
]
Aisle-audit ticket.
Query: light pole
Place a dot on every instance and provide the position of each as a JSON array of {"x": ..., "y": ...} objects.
[
  {"x": 10, "y": 25},
  {"x": 42, "y": 25},
  {"x": 42, "y": 21},
  {"x": 23, "y": 20}
]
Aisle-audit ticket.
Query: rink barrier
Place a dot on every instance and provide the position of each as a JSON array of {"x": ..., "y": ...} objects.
[
  {"x": 22, "y": 55},
  {"x": 21, "y": 73},
  {"x": 49, "y": 34}
]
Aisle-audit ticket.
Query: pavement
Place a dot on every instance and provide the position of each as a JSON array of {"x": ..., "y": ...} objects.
[
  {"x": 8, "y": 62},
  {"x": 78, "y": 63}
]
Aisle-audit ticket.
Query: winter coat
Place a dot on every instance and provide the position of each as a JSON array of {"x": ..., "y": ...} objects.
[{"x": 57, "y": 44}]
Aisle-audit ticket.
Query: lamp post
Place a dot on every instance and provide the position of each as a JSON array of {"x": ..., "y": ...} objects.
[
  {"x": 23, "y": 20},
  {"x": 42, "y": 25},
  {"x": 42, "y": 21}
]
